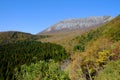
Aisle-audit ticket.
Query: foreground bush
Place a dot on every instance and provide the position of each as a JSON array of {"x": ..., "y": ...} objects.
[
  {"x": 110, "y": 72},
  {"x": 41, "y": 71}
]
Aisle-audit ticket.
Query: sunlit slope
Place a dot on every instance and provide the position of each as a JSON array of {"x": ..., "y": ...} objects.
[
  {"x": 94, "y": 50},
  {"x": 13, "y": 36},
  {"x": 64, "y": 38}
]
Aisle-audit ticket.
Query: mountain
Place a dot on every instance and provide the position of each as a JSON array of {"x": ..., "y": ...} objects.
[
  {"x": 93, "y": 54},
  {"x": 75, "y": 24}
]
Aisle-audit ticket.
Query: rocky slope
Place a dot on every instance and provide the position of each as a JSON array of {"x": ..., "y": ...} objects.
[{"x": 73, "y": 24}]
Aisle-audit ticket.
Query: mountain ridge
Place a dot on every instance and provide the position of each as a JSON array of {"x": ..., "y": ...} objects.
[
  {"x": 13, "y": 36},
  {"x": 79, "y": 23}
]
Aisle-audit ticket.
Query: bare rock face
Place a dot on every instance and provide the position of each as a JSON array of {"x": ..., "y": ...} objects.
[{"x": 73, "y": 24}]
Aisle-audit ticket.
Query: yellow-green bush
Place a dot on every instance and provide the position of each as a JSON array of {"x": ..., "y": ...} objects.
[{"x": 111, "y": 71}]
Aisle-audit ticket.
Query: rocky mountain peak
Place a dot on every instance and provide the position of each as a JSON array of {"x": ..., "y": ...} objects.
[{"x": 72, "y": 24}]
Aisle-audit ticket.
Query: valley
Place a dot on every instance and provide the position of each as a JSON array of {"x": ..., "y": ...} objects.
[{"x": 89, "y": 53}]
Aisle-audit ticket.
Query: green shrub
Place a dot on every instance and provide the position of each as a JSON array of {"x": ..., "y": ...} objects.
[
  {"x": 41, "y": 71},
  {"x": 110, "y": 72}
]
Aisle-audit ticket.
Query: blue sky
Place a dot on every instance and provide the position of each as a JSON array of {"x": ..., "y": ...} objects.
[{"x": 33, "y": 16}]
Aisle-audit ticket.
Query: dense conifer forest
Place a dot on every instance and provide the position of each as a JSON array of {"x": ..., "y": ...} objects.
[{"x": 14, "y": 55}]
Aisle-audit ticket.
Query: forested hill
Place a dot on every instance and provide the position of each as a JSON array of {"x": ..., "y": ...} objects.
[
  {"x": 13, "y": 55},
  {"x": 13, "y": 36},
  {"x": 97, "y": 53},
  {"x": 110, "y": 30}
]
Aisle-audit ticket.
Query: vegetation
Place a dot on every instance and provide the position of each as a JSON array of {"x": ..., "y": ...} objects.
[
  {"x": 14, "y": 36},
  {"x": 65, "y": 38},
  {"x": 41, "y": 71},
  {"x": 24, "y": 52},
  {"x": 111, "y": 71},
  {"x": 85, "y": 38},
  {"x": 94, "y": 50}
]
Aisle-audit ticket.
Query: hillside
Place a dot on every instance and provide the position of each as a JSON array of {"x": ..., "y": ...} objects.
[
  {"x": 13, "y": 36},
  {"x": 94, "y": 51},
  {"x": 64, "y": 31},
  {"x": 64, "y": 38}
]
